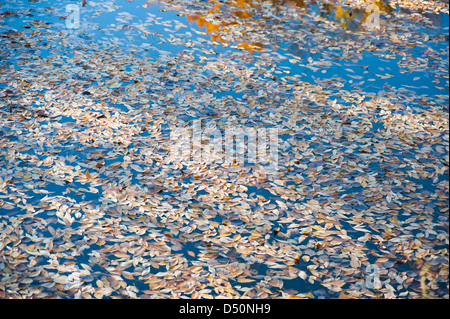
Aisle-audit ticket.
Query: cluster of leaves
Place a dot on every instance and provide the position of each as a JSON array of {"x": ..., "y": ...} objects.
[{"x": 88, "y": 185}]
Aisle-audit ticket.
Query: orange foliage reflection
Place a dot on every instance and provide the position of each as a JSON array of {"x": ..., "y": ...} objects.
[{"x": 222, "y": 18}]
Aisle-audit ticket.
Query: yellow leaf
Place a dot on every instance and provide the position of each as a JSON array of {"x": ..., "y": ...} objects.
[
  {"x": 364, "y": 184},
  {"x": 295, "y": 297},
  {"x": 354, "y": 262},
  {"x": 276, "y": 283},
  {"x": 394, "y": 38},
  {"x": 344, "y": 296},
  {"x": 244, "y": 280},
  {"x": 121, "y": 255},
  {"x": 127, "y": 275},
  {"x": 88, "y": 175},
  {"x": 382, "y": 260}
]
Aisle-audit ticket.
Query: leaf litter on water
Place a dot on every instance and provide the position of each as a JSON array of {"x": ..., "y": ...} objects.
[{"x": 87, "y": 179}]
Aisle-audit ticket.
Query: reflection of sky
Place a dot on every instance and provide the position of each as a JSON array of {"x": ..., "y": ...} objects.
[
  {"x": 103, "y": 22},
  {"x": 369, "y": 72}
]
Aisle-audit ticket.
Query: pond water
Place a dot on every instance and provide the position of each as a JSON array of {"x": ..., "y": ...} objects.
[{"x": 96, "y": 201}]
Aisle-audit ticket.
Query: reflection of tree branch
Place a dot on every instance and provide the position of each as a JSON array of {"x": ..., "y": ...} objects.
[{"x": 220, "y": 19}]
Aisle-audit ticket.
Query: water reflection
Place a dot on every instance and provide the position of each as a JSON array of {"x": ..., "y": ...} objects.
[{"x": 237, "y": 21}]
